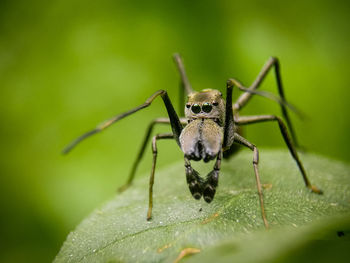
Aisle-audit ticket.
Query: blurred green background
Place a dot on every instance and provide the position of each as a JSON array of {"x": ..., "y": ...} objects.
[{"x": 67, "y": 65}]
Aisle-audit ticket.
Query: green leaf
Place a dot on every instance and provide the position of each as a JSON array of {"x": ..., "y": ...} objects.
[
  {"x": 323, "y": 241},
  {"x": 230, "y": 228}
]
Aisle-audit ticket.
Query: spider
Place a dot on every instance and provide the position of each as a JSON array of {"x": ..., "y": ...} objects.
[{"x": 209, "y": 131}]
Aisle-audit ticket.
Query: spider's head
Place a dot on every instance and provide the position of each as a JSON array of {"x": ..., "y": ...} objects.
[{"x": 206, "y": 104}]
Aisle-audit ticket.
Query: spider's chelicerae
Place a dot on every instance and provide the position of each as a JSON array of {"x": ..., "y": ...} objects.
[{"x": 209, "y": 130}]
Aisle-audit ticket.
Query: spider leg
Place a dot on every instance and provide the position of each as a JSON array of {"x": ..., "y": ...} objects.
[
  {"x": 230, "y": 136},
  {"x": 151, "y": 179},
  {"x": 229, "y": 126},
  {"x": 185, "y": 86},
  {"x": 184, "y": 80},
  {"x": 245, "y": 97},
  {"x": 244, "y": 120},
  {"x": 143, "y": 147},
  {"x": 174, "y": 120},
  {"x": 239, "y": 139}
]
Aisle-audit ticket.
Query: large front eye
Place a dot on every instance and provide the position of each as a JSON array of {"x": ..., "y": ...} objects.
[
  {"x": 196, "y": 108},
  {"x": 207, "y": 107}
]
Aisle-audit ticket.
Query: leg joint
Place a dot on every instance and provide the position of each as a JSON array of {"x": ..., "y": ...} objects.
[
  {"x": 154, "y": 144},
  {"x": 274, "y": 60},
  {"x": 256, "y": 155}
]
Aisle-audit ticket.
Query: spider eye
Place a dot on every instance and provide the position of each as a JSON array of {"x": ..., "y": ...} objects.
[
  {"x": 215, "y": 103},
  {"x": 188, "y": 106},
  {"x": 196, "y": 108},
  {"x": 207, "y": 107}
]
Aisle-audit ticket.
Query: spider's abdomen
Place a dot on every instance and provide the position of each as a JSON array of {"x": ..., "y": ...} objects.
[{"x": 201, "y": 139}]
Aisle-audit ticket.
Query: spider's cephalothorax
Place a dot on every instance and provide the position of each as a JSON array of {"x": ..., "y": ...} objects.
[
  {"x": 209, "y": 129},
  {"x": 202, "y": 137}
]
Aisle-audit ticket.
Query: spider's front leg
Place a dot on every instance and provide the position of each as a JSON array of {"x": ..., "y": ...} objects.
[{"x": 176, "y": 127}]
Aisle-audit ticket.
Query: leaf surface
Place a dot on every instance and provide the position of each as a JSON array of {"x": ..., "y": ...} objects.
[{"x": 118, "y": 230}]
